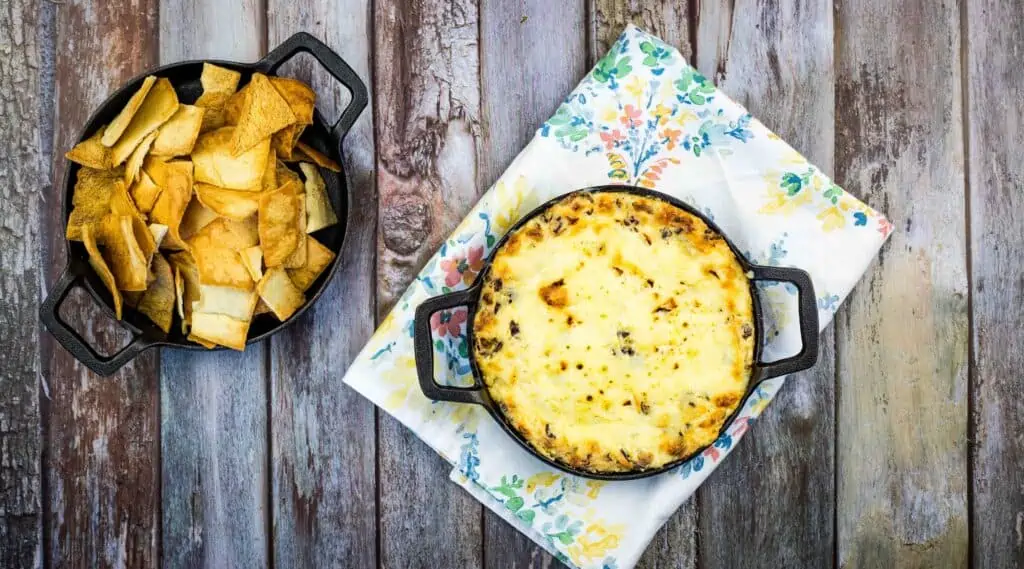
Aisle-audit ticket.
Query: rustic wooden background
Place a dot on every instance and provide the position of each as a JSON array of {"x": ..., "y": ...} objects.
[{"x": 903, "y": 448}]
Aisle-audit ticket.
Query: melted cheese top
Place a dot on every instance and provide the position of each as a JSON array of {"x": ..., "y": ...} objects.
[{"x": 615, "y": 332}]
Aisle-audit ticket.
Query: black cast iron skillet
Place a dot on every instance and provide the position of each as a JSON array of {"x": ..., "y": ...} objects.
[
  {"x": 185, "y": 78},
  {"x": 478, "y": 394}
]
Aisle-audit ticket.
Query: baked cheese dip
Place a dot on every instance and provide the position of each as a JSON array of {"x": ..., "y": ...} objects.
[{"x": 615, "y": 332}]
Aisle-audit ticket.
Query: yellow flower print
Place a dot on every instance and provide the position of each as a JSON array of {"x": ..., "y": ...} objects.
[
  {"x": 832, "y": 219},
  {"x": 542, "y": 479},
  {"x": 635, "y": 87},
  {"x": 609, "y": 115},
  {"x": 405, "y": 392},
  {"x": 466, "y": 416},
  {"x": 662, "y": 113},
  {"x": 508, "y": 203},
  {"x": 594, "y": 488},
  {"x": 595, "y": 543},
  {"x": 758, "y": 406},
  {"x": 780, "y": 202}
]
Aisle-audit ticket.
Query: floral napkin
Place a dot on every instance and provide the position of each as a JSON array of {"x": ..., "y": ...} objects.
[{"x": 644, "y": 117}]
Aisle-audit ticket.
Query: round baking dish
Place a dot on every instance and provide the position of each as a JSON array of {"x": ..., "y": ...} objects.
[
  {"x": 479, "y": 393},
  {"x": 184, "y": 76}
]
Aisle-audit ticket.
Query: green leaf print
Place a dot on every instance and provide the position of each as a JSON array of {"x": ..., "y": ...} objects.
[
  {"x": 463, "y": 349},
  {"x": 832, "y": 193},
  {"x": 439, "y": 345},
  {"x": 563, "y": 536},
  {"x": 791, "y": 183},
  {"x": 514, "y": 503},
  {"x": 526, "y": 515},
  {"x": 608, "y": 67}
]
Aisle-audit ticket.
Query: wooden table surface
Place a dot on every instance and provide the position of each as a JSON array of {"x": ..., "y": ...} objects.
[{"x": 902, "y": 448}]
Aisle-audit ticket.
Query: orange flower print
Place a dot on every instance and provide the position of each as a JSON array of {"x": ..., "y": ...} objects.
[
  {"x": 463, "y": 267},
  {"x": 610, "y": 138},
  {"x": 671, "y": 135},
  {"x": 631, "y": 118}
]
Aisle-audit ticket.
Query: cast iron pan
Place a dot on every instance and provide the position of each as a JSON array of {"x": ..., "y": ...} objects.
[
  {"x": 185, "y": 78},
  {"x": 478, "y": 394}
]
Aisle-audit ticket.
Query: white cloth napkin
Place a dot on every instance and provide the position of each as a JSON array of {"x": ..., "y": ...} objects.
[{"x": 644, "y": 117}]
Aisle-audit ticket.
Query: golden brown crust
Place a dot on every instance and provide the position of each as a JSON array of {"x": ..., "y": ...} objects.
[{"x": 615, "y": 332}]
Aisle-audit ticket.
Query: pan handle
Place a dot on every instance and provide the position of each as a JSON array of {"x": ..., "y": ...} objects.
[
  {"x": 424, "y": 349},
  {"x": 333, "y": 63},
  {"x": 49, "y": 313},
  {"x": 808, "y": 310}
]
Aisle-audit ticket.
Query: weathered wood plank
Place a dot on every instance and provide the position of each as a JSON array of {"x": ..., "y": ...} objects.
[
  {"x": 995, "y": 91},
  {"x": 778, "y": 63},
  {"x": 323, "y": 434},
  {"x": 427, "y": 124},
  {"x": 675, "y": 545},
  {"x": 670, "y": 20},
  {"x": 101, "y": 461},
  {"x": 25, "y": 42},
  {"x": 214, "y": 405},
  {"x": 532, "y": 53},
  {"x": 902, "y": 341}
]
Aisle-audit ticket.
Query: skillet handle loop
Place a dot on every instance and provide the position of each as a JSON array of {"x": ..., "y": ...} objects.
[
  {"x": 424, "y": 349},
  {"x": 73, "y": 342},
  {"x": 333, "y": 63},
  {"x": 808, "y": 310}
]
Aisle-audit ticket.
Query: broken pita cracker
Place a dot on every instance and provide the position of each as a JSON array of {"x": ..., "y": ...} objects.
[
  {"x": 279, "y": 293},
  {"x": 196, "y": 217},
  {"x": 144, "y": 192},
  {"x": 188, "y": 290},
  {"x": 134, "y": 164},
  {"x": 99, "y": 265},
  {"x": 320, "y": 159},
  {"x": 233, "y": 107},
  {"x": 269, "y": 181},
  {"x": 264, "y": 112},
  {"x": 318, "y": 258},
  {"x": 252, "y": 258},
  {"x": 178, "y": 135},
  {"x": 221, "y": 266},
  {"x": 91, "y": 153},
  {"x": 298, "y": 256},
  {"x": 236, "y": 303},
  {"x": 213, "y": 117},
  {"x": 220, "y": 329},
  {"x": 117, "y": 126},
  {"x": 299, "y": 96},
  {"x": 227, "y": 234},
  {"x": 176, "y": 180},
  {"x": 319, "y": 212},
  {"x": 217, "y": 79},
  {"x": 91, "y": 199},
  {"x": 161, "y": 103},
  {"x": 235, "y": 204},
  {"x": 214, "y": 163},
  {"x": 123, "y": 254},
  {"x": 157, "y": 303},
  {"x": 121, "y": 204},
  {"x": 279, "y": 216}
]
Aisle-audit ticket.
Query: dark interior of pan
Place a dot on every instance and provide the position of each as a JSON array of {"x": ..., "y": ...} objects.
[{"x": 185, "y": 78}]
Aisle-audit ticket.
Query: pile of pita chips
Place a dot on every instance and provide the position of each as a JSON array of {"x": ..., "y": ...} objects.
[{"x": 191, "y": 214}]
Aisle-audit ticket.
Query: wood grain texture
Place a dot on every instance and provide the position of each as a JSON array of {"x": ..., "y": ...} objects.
[
  {"x": 779, "y": 65},
  {"x": 214, "y": 419},
  {"x": 995, "y": 103},
  {"x": 532, "y": 53},
  {"x": 101, "y": 457},
  {"x": 323, "y": 434},
  {"x": 675, "y": 545},
  {"x": 670, "y": 20},
  {"x": 902, "y": 340},
  {"x": 427, "y": 114},
  {"x": 24, "y": 172}
]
